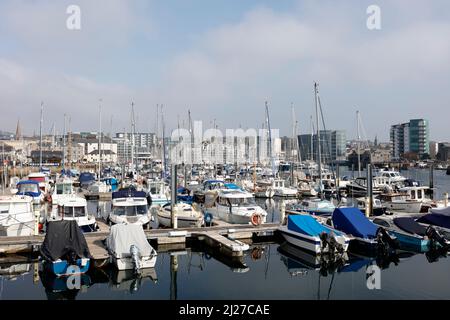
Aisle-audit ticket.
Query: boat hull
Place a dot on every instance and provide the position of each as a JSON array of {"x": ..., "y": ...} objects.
[
  {"x": 182, "y": 222},
  {"x": 127, "y": 263},
  {"x": 63, "y": 268}
]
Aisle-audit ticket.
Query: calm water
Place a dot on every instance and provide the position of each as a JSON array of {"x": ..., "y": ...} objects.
[{"x": 268, "y": 271}]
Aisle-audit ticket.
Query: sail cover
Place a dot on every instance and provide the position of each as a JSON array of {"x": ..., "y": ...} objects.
[
  {"x": 123, "y": 236},
  {"x": 63, "y": 238},
  {"x": 306, "y": 224},
  {"x": 410, "y": 225},
  {"x": 352, "y": 221}
]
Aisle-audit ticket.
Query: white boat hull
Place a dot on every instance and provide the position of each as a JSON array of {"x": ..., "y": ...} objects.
[
  {"x": 407, "y": 206},
  {"x": 127, "y": 263},
  {"x": 17, "y": 229},
  {"x": 182, "y": 221},
  {"x": 237, "y": 215}
]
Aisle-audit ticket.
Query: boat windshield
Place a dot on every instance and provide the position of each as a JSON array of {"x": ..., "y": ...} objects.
[
  {"x": 242, "y": 202},
  {"x": 130, "y": 211},
  {"x": 155, "y": 188},
  {"x": 75, "y": 212},
  {"x": 63, "y": 188},
  {"x": 28, "y": 188}
]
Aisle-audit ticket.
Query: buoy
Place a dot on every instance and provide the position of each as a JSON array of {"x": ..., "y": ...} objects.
[{"x": 256, "y": 219}]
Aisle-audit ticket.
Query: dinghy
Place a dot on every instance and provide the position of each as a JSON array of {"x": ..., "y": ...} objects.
[
  {"x": 129, "y": 249},
  {"x": 305, "y": 232},
  {"x": 366, "y": 235},
  {"x": 64, "y": 250}
]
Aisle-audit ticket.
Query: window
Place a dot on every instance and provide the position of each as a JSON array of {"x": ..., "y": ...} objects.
[
  {"x": 74, "y": 212},
  {"x": 130, "y": 211},
  {"x": 28, "y": 188},
  {"x": 419, "y": 194}
]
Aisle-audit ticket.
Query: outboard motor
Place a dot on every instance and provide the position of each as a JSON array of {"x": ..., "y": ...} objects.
[
  {"x": 330, "y": 241},
  {"x": 435, "y": 237},
  {"x": 385, "y": 241},
  {"x": 135, "y": 257}
]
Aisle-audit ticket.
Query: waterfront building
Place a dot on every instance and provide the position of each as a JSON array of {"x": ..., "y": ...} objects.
[
  {"x": 411, "y": 137},
  {"x": 332, "y": 144}
]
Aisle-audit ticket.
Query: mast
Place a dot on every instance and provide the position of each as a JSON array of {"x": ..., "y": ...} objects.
[
  {"x": 270, "y": 139},
  {"x": 311, "y": 153},
  {"x": 133, "y": 144},
  {"x": 100, "y": 140},
  {"x": 69, "y": 143},
  {"x": 64, "y": 144},
  {"x": 319, "y": 156},
  {"x": 40, "y": 135},
  {"x": 293, "y": 133},
  {"x": 358, "y": 143},
  {"x": 163, "y": 143}
]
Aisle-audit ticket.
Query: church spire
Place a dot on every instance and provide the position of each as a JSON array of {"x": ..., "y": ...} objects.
[{"x": 18, "y": 130}]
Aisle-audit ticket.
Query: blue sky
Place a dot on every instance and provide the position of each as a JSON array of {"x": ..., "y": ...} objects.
[{"x": 222, "y": 60}]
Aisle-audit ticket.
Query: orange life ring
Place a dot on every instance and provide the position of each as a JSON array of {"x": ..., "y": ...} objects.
[{"x": 256, "y": 219}]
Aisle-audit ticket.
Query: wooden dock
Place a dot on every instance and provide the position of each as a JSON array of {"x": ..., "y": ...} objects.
[{"x": 226, "y": 237}]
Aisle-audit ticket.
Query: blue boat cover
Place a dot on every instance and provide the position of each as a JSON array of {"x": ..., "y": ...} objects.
[
  {"x": 232, "y": 186},
  {"x": 436, "y": 219},
  {"x": 86, "y": 177},
  {"x": 29, "y": 193},
  {"x": 307, "y": 225},
  {"x": 409, "y": 225},
  {"x": 353, "y": 221}
]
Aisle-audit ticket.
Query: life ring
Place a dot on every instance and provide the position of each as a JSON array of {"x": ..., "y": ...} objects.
[{"x": 256, "y": 219}]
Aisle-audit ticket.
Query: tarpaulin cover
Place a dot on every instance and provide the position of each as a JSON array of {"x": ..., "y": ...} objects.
[
  {"x": 443, "y": 211},
  {"x": 62, "y": 238},
  {"x": 435, "y": 219},
  {"x": 352, "y": 221},
  {"x": 306, "y": 225},
  {"x": 122, "y": 236},
  {"x": 86, "y": 177},
  {"x": 410, "y": 225}
]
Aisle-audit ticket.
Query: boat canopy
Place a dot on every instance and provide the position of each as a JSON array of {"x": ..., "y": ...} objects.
[
  {"x": 307, "y": 225},
  {"x": 436, "y": 219},
  {"x": 86, "y": 177},
  {"x": 352, "y": 221},
  {"x": 444, "y": 211},
  {"x": 409, "y": 225},
  {"x": 123, "y": 236},
  {"x": 34, "y": 192},
  {"x": 232, "y": 186},
  {"x": 64, "y": 238},
  {"x": 129, "y": 192}
]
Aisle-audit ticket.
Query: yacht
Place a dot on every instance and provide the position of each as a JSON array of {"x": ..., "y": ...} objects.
[
  {"x": 237, "y": 206},
  {"x": 129, "y": 207},
  {"x": 30, "y": 188},
  {"x": 358, "y": 187},
  {"x": 312, "y": 206},
  {"x": 187, "y": 215},
  {"x": 74, "y": 208},
  {"x": 159, "y": 192},
  {"x": 62, "y": 189},
  {"x": 280, "y": 190},
  {"x": 16, "y": 216},
  {"x": 401, "y": 203}
]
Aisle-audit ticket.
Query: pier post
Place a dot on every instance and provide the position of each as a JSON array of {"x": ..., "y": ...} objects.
[
  {"x": 282, "y": 212},
  {"x": 173, "y": 276},
  {"x": 37, "y": 215},
  {"x": 173, "y": 198},
  {"x": 432, "y": 181},
  {"x": 445, "y": 199}
]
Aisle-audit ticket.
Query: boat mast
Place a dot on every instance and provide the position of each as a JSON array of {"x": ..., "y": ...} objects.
[
  {"x": 64, "y": 145},
  {"x": 319, "y": 156},
  {"x": 270, "y": 139},
  {"x": 163, "y": 143},
  {"x": 133, "y": 142},
  {"x": 358, "y": 143},
  {"x": 311, "y": 153},
  {"x": 100, "y": 140},
  {"x": 40, "y": 135}
]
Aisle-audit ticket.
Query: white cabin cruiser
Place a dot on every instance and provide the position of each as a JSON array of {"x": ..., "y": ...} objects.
[
  {"x": 237, "y": 206},
  {"x": 129, "y": 248},
  {"x": 188, "y": 216},
  {"x": 129, "y": 207},
  {"x": 16, "y": 216},
  {"x": 62, "y": 189},
  {"x": 159, "y": 192},
  {"x": 401, "y": 203},
  {"x": 74, "y": 208},
  {"x": 280, "y": 190},
  {"x": 42, "y": 179}
]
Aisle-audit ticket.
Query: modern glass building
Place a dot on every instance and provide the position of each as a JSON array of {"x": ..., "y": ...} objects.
[
  {"x": 332, "y": 145},
  {"x": 413, "y": 136}
]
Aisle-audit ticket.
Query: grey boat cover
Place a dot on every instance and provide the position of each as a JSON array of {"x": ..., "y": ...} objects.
[
  {"x": 409, "y": 225},
  {"x": 123, "y": 236},
  {"x": 444, "y": 211},
  {"x": 62, "y": 239}
]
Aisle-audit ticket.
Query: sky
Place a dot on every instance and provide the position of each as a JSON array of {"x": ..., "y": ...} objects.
[{"x": 222, "y": 59}]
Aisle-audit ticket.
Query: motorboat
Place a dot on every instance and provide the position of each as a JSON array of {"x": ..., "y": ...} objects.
[
  {"x": 312, "y": 206},
  {"x": 401, "y": 203},
  {"x": 129, "y": 248},
  {"x": 16, "y": 216},
  {"x": 378, "y": 208},
  {"x": 280, "y": 190},
  {"x": 64, "y": 250},
  {"x": 129, "y": 207},
  {"x": 237, "y": 206},
  {"x": 367, "y": 236},
  {"x": 42, "y": 179},
  {"x": 62, "y": 188},
  {"x": 188, "y": 216},
  {"x": 390, "y": 176},
  {"x": 74, "y": 208},
  {"x": 263, "y": 189},
  {"x": 30, "y": 188},
  {"x": 306, "y": 232},
  {"x": 439, "y": 218},
  {"x": 411, "y": 234},
  {"x": 358, "y": 187},
  {"x": 86, "y": 179},
  {"x": 159, "y": 192}
]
